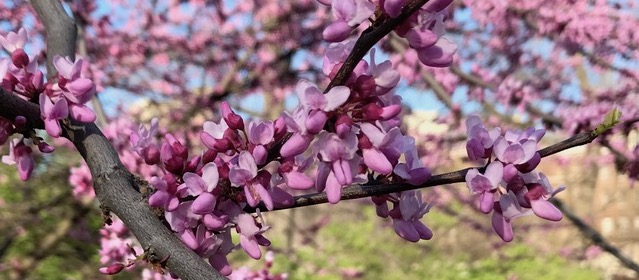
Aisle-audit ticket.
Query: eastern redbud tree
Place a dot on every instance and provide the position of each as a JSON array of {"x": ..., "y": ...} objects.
[{"x": 183, "y": 191}]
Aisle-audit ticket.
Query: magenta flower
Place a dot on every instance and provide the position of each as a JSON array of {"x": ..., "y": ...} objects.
[
  {"x": 506, "y": 209},
  {"x": 14, "y": 41},
  {"x": 75, "y": 88},
  {"x": 438, "y": 55},
  {"x": 413, "y": 171},
  {"x": 51, "y": 113},
  {"x": 318, "y": 104},
  {"x": 384, "y": 75},
  {"x": 260, "y": 134},
  {"x": 484, "y": 184},
  {"x": 539, "y": 191},
  {"x": 514, "y": 152},
  {"x": 480, "y": 142},
  {"x": 166, "y": 194},
  {"x": 338, "y": 163},
  {"x": 245, "y": 174},
  {"x": 349, "y": 14},
  {"x": 299, "y": 141},
  {"x": 406, "y": 221},
  {"x": 202, "y": 188},
  {"x": 6, "y": 129},
  {"x": 21, "y": 155},
  {"x": 182, "y": 219},
  {"x": 213, "y": 136},
  {"x": 250, "y": 235}
]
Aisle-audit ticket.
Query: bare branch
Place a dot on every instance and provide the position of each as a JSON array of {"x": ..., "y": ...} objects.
[{"x": 595, "y": 236}]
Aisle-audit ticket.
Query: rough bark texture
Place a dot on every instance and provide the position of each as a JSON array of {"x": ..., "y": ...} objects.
[{"x": 114, "y": 186}]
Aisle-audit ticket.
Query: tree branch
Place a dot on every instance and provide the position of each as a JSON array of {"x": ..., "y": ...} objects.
[
  {"x": 374, "y": 188},
  {"x": 595, "y": 236},
  {"x": 114, "y": 185},
  {"x": 368, "y": 39}
]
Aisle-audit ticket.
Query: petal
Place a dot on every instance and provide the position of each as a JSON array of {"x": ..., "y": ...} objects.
[
  {"x": 221, "y": 264},
  {"x": 210, "y": 176},
  {"x": 204, "y": 204},
  {"x": 503, "y": 228},
  {"x": 60, "y": 110},
  {"x": 52, "y": 126},
  {"x": 494, "y": 172},
  {"x": 264, "y": 196},
  {"x": 424, "y": 232},
  {"x": 337, "y": 31},
  {"x": 377, "y": 161},
  {"x": 336, "y": 97},
  {"x": 189, "y": 239},
  {"x": 513, "y": 154},
  {"x": 247, "y": 162},
  {"x": 251, "y": 247},
  {"x": 333, "y": 189},
  {"x": 405, "y": 230},
  {"x": 83, "y": 88},
  {"x": 546, "y": 210},
  {"x": 298, "y": 181},
  {"x": 194, "y": 183},
  {"x": 81, "y": 113},
  {"x": 486, "y": 202},
  {"x": 159, "y": 199},
  {"x": 295, "y": 145}
]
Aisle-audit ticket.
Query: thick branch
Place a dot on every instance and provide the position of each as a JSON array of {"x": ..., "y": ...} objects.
[{"x": 114, "y": 185}]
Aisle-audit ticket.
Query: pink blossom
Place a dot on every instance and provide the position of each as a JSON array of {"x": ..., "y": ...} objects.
[
  {"x": 484, "y": 184},
  {"x": 51, "y": 113},
  {"x": 407, "y": 214},
  {"x": 14, "y": 41},
  {"x": 250, "y": 235},
  {"x": 245, "y": 174},
  {"x": 21, "y": 155}
]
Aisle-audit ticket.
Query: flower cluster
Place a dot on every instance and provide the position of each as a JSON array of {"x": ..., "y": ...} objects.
[
  {"x": 424, "y": 30},
  {"x": 64, "y": 97},
  {"x": 509, "y": 187},
  {"x": 329, "y": 141}
]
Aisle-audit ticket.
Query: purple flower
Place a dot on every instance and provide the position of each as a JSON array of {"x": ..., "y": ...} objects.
[
  {"x": 71, "y": 82},
  {"x": 413, "y": 171},
  {"x": 14, "y": 41},
  {"x": 245, "y": 174},
  {"x": 384, "y": 75},
  {"x": 349, "y": 13},
  {"x": 514, "y": 152},
  {"x": 51, "y": 113},
  {"x": 484, "y": 184},
  {"x": 21, "y": 155},
  {"x": 250, "y": 235},
  {"x": 260, "y": 134},
  {"x": 182, "y": 218},
  {"x": 338, "y": 163},
  {"x": 406, "y": 221},
  {"x": 202, "y": 188},
  {"x": 318, "y": 104},
  {"x": 438, "y": 55},
  {"x": 539, "y": 191},
  {"x": 213, "y": 136},
  {"x": 506, "y": 209},
  {"x": 480, "y": 142}
]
